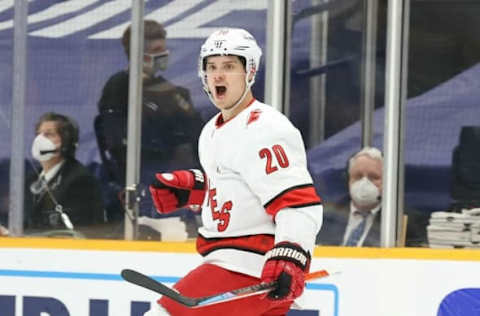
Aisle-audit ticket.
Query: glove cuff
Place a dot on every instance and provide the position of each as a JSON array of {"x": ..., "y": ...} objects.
[
  {"x": 198, "y": 179},
  {"x": 290, "y": 252},
  {"x": 199, "y": 185}
]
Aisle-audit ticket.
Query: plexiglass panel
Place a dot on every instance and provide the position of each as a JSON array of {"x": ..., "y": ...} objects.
[
  {"x": 443, "y": 123},
  {"x": 337, "y": 75},
  {"x": 77, "y": 99}
]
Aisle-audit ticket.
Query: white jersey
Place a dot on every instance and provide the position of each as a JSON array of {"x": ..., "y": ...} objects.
[{"x": 256, "y": 166}]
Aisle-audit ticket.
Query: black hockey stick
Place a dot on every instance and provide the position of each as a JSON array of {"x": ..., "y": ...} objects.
[{"x": 149, "y": 283}]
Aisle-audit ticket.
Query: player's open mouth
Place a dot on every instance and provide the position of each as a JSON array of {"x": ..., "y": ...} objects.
[{"x": 220, "y": 91}]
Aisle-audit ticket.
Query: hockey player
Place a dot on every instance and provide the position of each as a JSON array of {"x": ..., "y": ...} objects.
[{"x": 256, "y": 194}]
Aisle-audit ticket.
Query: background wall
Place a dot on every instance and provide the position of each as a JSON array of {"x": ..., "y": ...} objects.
[{"x": 78, "y": 277}]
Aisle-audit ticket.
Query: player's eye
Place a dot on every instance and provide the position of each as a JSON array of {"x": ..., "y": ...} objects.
[
  {"x": 210, "y": 68},
  {"x": 229, "y": 66}
]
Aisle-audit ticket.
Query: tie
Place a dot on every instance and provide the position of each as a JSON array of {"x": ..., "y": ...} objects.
[
  {"x": 38, "y": 186},
  {"x": 356, "y": 233}
]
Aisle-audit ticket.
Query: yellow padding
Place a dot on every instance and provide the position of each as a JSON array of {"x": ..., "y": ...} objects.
[
  {"x": 398, "y": 253},
  {"x": 189, "y": 247},
  {"x": 92, "y": 244}
]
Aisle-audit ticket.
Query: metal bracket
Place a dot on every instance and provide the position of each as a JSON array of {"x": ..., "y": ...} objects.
[{"x": 131, "y": 196}]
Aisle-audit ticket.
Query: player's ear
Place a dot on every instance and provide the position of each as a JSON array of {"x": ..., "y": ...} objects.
[{"x": 251, "y": 75}]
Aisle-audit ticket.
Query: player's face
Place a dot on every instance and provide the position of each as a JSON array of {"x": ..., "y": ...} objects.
[
  {"x": 225, "y": 79},
  {"x": 365, "y": 166}
]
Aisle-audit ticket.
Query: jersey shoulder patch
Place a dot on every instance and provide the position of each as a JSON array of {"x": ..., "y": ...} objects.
[{"x": 253, "y": 116}]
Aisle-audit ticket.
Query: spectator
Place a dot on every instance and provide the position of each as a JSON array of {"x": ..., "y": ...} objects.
[
  {"x": 360, "y": 219},
  {"x": 170, "y": 124},
  {"x": 358, "y": 222},
  {"x": 365, "y": 188},
  {"x": 63, "y": 186}
]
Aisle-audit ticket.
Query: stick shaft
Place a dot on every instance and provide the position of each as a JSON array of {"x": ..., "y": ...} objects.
[
  {"x": 151, "y": 284},
  {"x": 252, "y": 290}
]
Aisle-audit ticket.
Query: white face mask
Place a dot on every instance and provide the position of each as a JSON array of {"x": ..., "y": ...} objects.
[
  {"x": 364, "y": 193},
  {"x": 158, "y": 62},
  {"x": 43, "y": 148}
]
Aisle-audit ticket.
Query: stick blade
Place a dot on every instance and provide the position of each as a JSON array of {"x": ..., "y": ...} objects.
[{"x": 142, "y": 280}]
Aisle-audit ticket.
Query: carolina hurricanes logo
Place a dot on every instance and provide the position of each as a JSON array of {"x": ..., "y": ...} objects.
[{"x": 254, "y": 115}]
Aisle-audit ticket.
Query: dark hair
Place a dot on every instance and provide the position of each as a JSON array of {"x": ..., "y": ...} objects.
[
  {"x": 151, "y": 30},
  {"x": 66, "y": 128}
]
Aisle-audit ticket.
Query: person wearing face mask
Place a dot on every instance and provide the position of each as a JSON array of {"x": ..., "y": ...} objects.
[
  {"x": 365, "y": 188},
  {"x": 357, "y": 222},
  {"x": 170, "y": 123},
  {"x": 61, "y": 194}
]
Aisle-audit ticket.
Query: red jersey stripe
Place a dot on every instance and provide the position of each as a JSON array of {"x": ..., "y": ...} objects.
[
  {"x": 293, "y": 197},
  {"x": 254, "y": 243}
]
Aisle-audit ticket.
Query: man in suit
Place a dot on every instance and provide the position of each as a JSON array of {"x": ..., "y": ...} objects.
[
  {"x": 63, "y": 193},
  {"x": 358, "y": 223},
  {"x": 365, "y": 188}
]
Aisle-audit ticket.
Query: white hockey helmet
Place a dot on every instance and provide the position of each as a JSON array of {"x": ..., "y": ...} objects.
[{"x": 231, "y": 41}]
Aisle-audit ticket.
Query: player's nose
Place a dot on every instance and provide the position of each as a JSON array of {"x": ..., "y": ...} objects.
[{"x": 218, "y": 76}]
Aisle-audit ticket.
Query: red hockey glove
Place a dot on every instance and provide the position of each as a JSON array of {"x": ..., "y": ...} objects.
[
  {"x": 171, "y": 191},
  {"x": 286, "y": 263}
]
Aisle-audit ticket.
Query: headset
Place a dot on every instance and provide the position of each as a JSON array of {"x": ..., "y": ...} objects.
[{"x": 69, "y": 133}]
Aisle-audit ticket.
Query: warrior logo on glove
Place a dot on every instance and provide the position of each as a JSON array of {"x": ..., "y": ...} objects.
[{"x": 287, "y": 264}]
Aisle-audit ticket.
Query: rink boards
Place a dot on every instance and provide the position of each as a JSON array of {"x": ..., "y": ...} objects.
[{"x": 80, "y": 277}]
